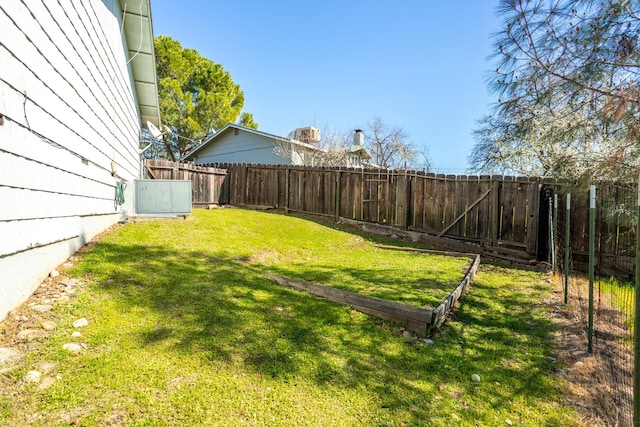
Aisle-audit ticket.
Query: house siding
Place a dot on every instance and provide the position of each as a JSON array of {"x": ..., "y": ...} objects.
[
  {"x": 70, "y": 113},
  {"x": 245, "y": 147}
]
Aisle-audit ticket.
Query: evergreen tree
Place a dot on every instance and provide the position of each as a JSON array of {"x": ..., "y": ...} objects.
[
  {"x": 569, "y": 90},
  {"x": 196, "y": 95}
]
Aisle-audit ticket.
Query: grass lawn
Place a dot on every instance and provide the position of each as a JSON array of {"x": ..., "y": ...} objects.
[{"x": 184, "y": 329}]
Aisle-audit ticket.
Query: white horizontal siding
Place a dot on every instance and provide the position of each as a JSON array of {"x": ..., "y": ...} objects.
[
  {"x": 22, "y": 235},
  {"x": 24, "y": 271},
  {"x": 27, "y": 234},
  {"x": 70, "y": 113},
  {"x": 50, "y": 179},
  {"x": 28, "y": 146},
  {"x": 81, "y": 93},
  {"x": 41, "y": 108},
  {"x": 31, "y": 204}
]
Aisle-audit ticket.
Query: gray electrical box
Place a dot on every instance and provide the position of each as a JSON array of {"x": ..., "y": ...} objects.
[{"x": 163, "y": 197}]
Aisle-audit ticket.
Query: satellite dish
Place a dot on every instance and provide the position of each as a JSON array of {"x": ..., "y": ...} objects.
[{"x": 155, "y": 132}]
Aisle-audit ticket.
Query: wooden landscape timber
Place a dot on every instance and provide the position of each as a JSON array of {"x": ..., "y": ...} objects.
[
  {"x": 447, "y": 244},
  {"x": 440, "y": 313},
  {"x": 414, "y": 318},
  {"x": 428, "y": 251},
  {"x": 419, "y": 320}
]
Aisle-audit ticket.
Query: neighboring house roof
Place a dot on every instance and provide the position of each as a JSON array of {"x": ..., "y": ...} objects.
[
  {"x": 136, "y": 17},
  {"x": 208, "y": 140},
  {"x": 360, "y": 150}
]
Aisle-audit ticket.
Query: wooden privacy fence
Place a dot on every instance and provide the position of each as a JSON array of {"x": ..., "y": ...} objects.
[
  {"x": 208, "y": 185},
  {"x": 491, "y": 211},
  {"x": 499, "y": 216}
]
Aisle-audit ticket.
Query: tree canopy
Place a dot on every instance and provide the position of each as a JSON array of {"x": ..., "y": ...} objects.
[
  {"x": 246, "y": 119},
  {"x": 196, "y": 96},
  {"x": 388, "y": 145},
  {"x": 569, "y": 90}
]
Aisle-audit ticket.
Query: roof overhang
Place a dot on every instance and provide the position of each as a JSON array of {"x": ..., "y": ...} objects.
[
  {"x": 361, "y": 151},
  {"x": 138, "y": 31}
]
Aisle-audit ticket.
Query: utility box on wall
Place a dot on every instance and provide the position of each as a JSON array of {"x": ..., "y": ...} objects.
[{"x": 163, "y": 197}]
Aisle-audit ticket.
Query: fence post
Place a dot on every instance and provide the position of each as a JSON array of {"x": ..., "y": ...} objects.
[
  {"x": 636, "y": 324},
  {"x": 495, "y": 209},
  {"x": 551, "y": 231},
  {"x": 246, "y": 185},
  {"x": 286, "y": 189},
  {"x": 175, "y": 170},
  {"x": 554, "y": 225},
  {"x": 567, "y": 248},
  {"x": 592, "y": 259},
  {"x": 362, "y": 184},
  {"x": 408, "y": 219},
  {"x": 338, "y": 195}
]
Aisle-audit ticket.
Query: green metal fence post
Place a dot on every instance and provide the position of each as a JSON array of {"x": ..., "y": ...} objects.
[
  {"x": 567, "y": 248},
  {"x": 554, "y": 226},
  {"x": 592, "y": 259},
  {"x": 636, "y": 325}
]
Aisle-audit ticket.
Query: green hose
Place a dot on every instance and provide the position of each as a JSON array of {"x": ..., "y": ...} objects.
[{"x": 119, "y": 198}]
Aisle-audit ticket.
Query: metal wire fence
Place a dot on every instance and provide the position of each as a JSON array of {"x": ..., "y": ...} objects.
[{"x": 604, "y": 299}]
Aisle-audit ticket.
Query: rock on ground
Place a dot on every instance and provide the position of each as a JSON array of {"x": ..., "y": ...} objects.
[
  {"x": 29, "y": 334},
  {"x": 42, "y": 308},
  {"x": 48, "y": 325},
  {"x": 8, "y": 355},
  {"x": 81, "y": 323},
  {"x": 72, "y": 347},
  {"x": 32, "y": 377}
]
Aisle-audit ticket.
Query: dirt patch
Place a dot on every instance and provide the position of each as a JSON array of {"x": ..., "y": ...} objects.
[
  {"x": 593, "y": 381},
  {"x": 265, "y": 256}
]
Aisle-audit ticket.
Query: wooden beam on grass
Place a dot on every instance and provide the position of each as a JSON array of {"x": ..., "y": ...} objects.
[
  {"x": 414, "y": 318},
  {"x": 440, "y": 313},
  {"x": 426, "y": 251}
]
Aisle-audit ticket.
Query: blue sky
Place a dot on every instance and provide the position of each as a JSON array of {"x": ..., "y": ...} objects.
[{"x": 421, "y": 65}]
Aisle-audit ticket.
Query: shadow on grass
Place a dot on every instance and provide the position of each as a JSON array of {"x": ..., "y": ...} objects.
[{"x": 223, "y": 309}]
